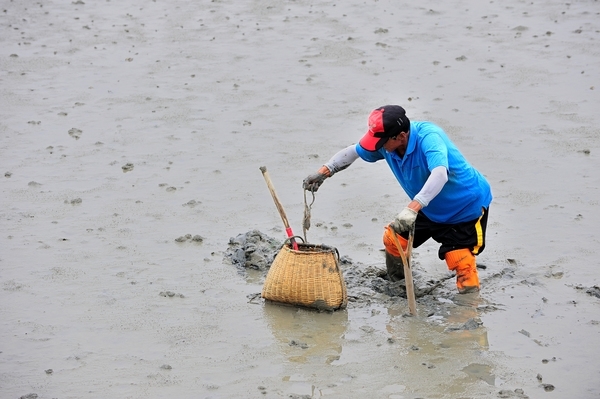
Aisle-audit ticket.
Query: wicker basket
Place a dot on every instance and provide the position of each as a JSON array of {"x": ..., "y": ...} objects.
[{"x": 308, "y": 277}]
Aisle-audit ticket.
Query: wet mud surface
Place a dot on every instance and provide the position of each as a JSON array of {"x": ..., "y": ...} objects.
[
  {"x": 255, "y": 250},
  {"x": 137, "y": 228},
  {"x": 455, "y": 320}
]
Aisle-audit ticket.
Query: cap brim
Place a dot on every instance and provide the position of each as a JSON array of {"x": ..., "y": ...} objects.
[{"x": 371, "y": 143}]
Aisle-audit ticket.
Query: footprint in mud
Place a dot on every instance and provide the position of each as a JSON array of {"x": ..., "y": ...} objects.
[
  {"x": 192, "y": 203},
  {"x": 170, "y": 294},
  {"x": 169, "y": 189},
  {"x": 128, "y": 167},
  {"x": 548, "y": 387},
  {"x": 76, "y": 201},
  {"x": 188, "y": 237},
  {"x": 75, "y": 133},
  {"x": 517, "y": 393},
  {"x": 299, "y": 344}
]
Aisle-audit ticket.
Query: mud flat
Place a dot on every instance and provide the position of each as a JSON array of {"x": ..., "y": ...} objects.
[{"x": 131, "y": 136}]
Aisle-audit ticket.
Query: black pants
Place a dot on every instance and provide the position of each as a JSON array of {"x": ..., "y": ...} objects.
[{"x": 469, "y": 234}]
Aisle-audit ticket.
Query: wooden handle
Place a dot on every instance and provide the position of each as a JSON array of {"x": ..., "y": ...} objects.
[
  {"x": 288, "y": 229},
  {"x": 410, "y": 288}
]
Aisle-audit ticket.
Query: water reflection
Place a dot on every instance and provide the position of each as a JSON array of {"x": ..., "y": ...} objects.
[
  {"x": 445, "y": 355},
  {"x": 446, "y": 352},
  {"x": 307, "y": 336}
]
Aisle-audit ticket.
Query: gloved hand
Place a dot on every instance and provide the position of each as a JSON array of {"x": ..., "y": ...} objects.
[
  {"x": 314, "y": 181},
  {"x": 405, "y": 220}
]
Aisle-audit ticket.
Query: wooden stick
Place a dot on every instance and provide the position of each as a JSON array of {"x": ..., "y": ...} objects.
[
  {"x": 410, "y": 289},
  {"x": 288, "y": 229}
]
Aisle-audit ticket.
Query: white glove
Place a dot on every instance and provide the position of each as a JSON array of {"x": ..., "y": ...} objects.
[{"x": 404, "y": 220}]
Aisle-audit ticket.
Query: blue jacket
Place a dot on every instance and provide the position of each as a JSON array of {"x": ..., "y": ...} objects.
[{"x": 466, "y": 190}]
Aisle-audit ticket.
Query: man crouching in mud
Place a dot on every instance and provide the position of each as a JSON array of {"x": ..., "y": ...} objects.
[{"x": 450, "y": 198}]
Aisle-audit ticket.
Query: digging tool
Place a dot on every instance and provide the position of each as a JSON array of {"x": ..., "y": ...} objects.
[
  {"x": 288, "y": 229},
  {"x": 410, "y": 288}
]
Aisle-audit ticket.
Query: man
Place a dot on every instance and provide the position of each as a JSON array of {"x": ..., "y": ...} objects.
[{"x": 449, "y": 198}]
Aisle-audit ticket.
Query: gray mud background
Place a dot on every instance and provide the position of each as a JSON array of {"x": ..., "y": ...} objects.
[{"x": 131, "y": 134}]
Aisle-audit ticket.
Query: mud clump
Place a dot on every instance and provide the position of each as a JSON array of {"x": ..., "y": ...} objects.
[
  {"x": 471, "y": 324},
  {"x": 365, "y": 284},
  {"x": 189, "y": 238},
  {"x": 299, "y": 344},
  {"x": 170, "y": 294},
  {"x": 594, "y": 291},
  {"x": 252, "y": 250},
  {"x": 75, "y": 133},
  {"x": 548, "y": 387},
  {"x": 128, "y": 167},
  {"x": 517, "y": 393}
]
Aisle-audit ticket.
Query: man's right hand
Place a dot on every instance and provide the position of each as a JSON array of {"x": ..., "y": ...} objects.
[{"x": 314, "y": 181}]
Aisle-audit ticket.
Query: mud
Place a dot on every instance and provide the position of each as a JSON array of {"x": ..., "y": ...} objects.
[
  {"x": 366, "y": 285},
  {"x": 131, "y": 136}
]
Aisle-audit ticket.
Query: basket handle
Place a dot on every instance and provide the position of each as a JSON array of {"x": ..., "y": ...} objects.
[
  {"x": 289, "y": 239},
  {"x": 334, "y": 248}
]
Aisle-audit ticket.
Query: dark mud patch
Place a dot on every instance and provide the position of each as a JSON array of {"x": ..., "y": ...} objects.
[
  {"x": 253, "y": 252},
  {"x": 592, "y": 291},
  {"x": 517, "y": 393}
]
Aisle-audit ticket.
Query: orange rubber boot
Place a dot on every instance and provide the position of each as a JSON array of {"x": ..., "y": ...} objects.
[
  {"x": 393, "y": 260},
  {"x": 462, "y": 261}
]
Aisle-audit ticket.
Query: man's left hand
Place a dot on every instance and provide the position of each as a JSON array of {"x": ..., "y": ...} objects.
[{"x": 405, "y": 220}]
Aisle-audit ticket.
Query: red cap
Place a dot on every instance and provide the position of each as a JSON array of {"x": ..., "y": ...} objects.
[{"x": 384, "y": 122}]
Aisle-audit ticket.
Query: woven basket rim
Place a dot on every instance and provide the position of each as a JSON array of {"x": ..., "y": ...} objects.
[{"x": 306, "y": 248}]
